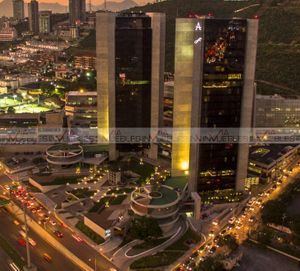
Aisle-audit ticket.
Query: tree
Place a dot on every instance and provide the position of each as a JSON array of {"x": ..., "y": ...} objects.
[
  {"x": 210, "y": 264},
  {"x": 272, "y": 212},
  {"x": 145, "y": 228},
  {"x": 11, "y": 110},
  {"x": 229, "y": 241}
]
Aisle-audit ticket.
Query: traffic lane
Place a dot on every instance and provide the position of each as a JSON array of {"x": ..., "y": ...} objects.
[
  {"x": 4, "y": 261},
  {"x": 80, "y": 249},
  {"x": 11, "y": 233}
]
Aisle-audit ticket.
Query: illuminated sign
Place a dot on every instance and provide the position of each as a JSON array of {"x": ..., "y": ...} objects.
[{"x": 198, "y": 27}]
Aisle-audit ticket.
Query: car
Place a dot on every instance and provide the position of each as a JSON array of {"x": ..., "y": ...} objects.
[
  {"x": 52, "y": 222},
  {"x": 58, "y": 234},
  {"x": 31, "y": 242},
  {"x": 238, "y": 226},
  {"x": 251, "y": 219},
  {"x": 232, "y": 220},
  {"x": 22, "y": 242},
  {"x": 33, "y": 210},
  {"x": 222, "y": 233},
  {"x": 46, "y": 217},
  {"x": 13, "y": 266},
  {"x": 77, "y": 238},
  {"x": 47, "y": 257},
  {"x": 212, "y": 250},
  {"x": 16, "y": 222}
]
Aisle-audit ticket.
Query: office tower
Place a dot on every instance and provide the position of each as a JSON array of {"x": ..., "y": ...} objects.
[
  {"x": 214, "y": 88},
  {"x": 130, "y": 67},
  {"x": 45, "y": 21},
  {"x": 77, "y": 11},
  {"x": 33, "y": 16},
  {"x": 18, "y": 9}
]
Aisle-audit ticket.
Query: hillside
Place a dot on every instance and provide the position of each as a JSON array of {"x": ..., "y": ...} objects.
[
  {"x": 6, "y": 7},
  {"x": 278, "y": 59}
]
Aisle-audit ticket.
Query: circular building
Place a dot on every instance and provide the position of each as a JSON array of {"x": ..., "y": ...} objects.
[
  {"x": 160, "y": 203},
  {"x": 64, "y": 154}
]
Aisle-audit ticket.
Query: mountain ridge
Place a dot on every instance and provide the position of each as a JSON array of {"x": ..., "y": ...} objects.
[{"x": 6, "y": 7}]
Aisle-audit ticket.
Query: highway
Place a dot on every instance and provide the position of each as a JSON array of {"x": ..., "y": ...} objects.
[
  {"x": 10, "y": 232},
  {"x": 80, "y": 249}
]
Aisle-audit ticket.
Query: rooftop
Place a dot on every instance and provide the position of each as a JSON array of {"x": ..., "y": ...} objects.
[
  {"x": 269, "y": 153},
  {"x": 177, "y": 182}
]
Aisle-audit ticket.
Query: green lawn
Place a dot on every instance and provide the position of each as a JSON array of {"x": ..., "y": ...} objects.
[
  {"x": 64, "y": 180},
  {"x": 83, "y": 193},
  {"x": 11, "y": 252},
  {"x": 169, "y": 255},
  {"x": 98, "y": 206},
  {"x": 89, "y": 233},
  {"x": 150, "y": 244},
  {"x": 120, "y": 191}
]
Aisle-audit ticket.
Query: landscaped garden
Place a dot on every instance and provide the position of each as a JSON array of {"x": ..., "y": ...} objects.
[
  {"x": 169, "y": 255},
  {"x": 89, "y": 233}
]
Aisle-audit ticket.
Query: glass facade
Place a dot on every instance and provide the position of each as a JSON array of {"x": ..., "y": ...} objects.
[
  {"x": 277, "y": 111},
  {"x": 222, "y": 86},
  {"x": 133, "y": 52}
]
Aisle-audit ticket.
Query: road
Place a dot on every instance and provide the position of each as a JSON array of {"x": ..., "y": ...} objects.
[
  {"x": 4, "y": 261},
  {"x": 10, "y": 232},
  {"x": 244, "y": 223},
  {"x": 80, "y": 249}
]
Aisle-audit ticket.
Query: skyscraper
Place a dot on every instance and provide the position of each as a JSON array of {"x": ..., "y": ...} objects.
[
  {"x": 18, "y": 9},
  {"x": 33, "y": 16},
  {"x": 45, "y": 21},
  {"x": 214, "y": 88},
  {"x": 130, "y": 68},
  {"x": 77, "y": 9}
]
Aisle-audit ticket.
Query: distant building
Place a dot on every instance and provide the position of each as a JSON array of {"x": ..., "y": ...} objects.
[
  {"x": 213, "y": 88},
  {"x": 85, "y": 61},
  {"x": 8, "y": 33},
  {"x": 77, "y": 12},
  {"x": 33, "y": 16},
  {"x": 269, "y": 162},
  {"x": 18, "y": 9},
  {"x": 277, "y": 111},
  {"x": 81, "y": 108},
  {"x": 114, "y": 176},
  {"x": 45, "y": 24}
]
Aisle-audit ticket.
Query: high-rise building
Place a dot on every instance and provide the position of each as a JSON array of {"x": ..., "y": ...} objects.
[
  {"x": 77, "y": 9},
  {"x": 45, "y": 21},
  {"x": 33, "y": 16},
  {"x": 130, "y": 73},
  {"x": 214, "y": 88},
  {"x": 18, "y": 9}
]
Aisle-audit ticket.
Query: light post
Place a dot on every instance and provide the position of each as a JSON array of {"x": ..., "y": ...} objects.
[
  {"x": 30, "y": 266},
  {"x": 95, "y": 263}
]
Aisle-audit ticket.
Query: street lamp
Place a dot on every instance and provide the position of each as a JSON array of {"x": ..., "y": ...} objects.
[
  {"x": 95, "y": 263},
  {"x": 30, "y": 266}
]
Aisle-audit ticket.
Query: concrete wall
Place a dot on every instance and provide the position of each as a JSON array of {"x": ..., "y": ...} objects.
[
  {"x": 95, "y": 227},
  {"x": 247, "y": 101},
  {"x": 158, "y": 21},
  {"x": 105, "y": 66},
  {"x": 183, "y": 87}
]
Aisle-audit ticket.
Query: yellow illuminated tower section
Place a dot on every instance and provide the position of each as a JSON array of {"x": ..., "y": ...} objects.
[{"x": 213, "y": 90}]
